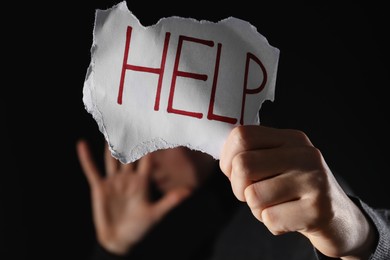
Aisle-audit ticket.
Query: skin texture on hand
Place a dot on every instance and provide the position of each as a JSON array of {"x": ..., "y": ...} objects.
[
  {"x": 122, "y": 210},
  {"x": 288, "y": 186}
]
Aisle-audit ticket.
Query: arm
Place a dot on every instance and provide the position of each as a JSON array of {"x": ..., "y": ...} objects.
[
  {"x": 288, "y": 186},
  {"x": 380, "y": 218},
  {"x": 122, "y": 210}
]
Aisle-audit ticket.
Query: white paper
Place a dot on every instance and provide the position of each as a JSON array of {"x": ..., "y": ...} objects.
[{"x": 141, "y": 79}]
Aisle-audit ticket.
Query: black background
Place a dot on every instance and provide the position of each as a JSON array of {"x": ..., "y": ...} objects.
[{"x": 333, "y": 80}]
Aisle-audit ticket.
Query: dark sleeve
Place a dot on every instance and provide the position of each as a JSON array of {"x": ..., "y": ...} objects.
[
  {"x": 99, "y": 253},
  {"x": 380, "y": 218}
]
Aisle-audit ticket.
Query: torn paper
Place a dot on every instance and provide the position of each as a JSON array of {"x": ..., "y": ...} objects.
[{"x": 180, "y": 82}]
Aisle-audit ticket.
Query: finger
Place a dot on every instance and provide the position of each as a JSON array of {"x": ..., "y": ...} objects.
[
  {"x": 254, "y": 166},
  {"x": 87, "y": 163},
  {"x": 262, "y": 164},
  {"x": 145, "y": 165},
  {"x": 298, "y": 215},
  {"x": 111, "y": 164},
  {"x": 143, "y": 171},
  {"x": 276, "y": 190},
  {"x": 170, "y": 201},
  {"x": 246, "y": 138},
  {"x": 239, "y": 185}
]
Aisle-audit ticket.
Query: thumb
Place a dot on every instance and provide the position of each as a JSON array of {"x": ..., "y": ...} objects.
[{"x": 170, "y": 201}]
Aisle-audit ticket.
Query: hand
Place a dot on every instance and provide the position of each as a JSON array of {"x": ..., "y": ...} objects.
[
  {"x": 122, "y": 211},
  {"x": 288, "y": 186}
]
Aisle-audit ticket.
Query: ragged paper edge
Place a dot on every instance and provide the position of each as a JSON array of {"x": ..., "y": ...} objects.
[
  {"x": 155, "y": 144},
  {"x": 89, "y": 99},
  {"x": 143, "y": 148}
]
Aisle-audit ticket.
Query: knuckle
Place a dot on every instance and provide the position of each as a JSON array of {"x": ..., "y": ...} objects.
[
  {"x": 241, "y": 166},
  {"x": 271, "y": 222},
  {"x": 257, "y": 214},
  {"x": 239, "y": 136},
  {"x": 268, "y": 217},
  {"x": 314, "y": 156},
  {"x": 252, "y": 198},
  {"x": 225, "y": 166},
  {"x": 299, "y": 136}
]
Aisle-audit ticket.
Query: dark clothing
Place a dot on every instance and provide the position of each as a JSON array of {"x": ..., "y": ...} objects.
[{"x": 214, "y": 225}]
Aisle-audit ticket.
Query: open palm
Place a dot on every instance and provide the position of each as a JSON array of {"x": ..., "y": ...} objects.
[{"x": 122, "y": 210}]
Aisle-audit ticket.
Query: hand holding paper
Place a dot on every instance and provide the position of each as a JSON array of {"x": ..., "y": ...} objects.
[{"x": 180, "y": 82}]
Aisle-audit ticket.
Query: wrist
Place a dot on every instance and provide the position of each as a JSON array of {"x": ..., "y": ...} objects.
[
  {"x": 368, "y": 236},
  {"x": 102, "y": 253},
  {"x": 118, "y": 248}
]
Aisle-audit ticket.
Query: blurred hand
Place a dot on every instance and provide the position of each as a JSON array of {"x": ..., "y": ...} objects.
[
  {"x": 122, "y": 210},
  {"x": 288, "y": 186}
]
